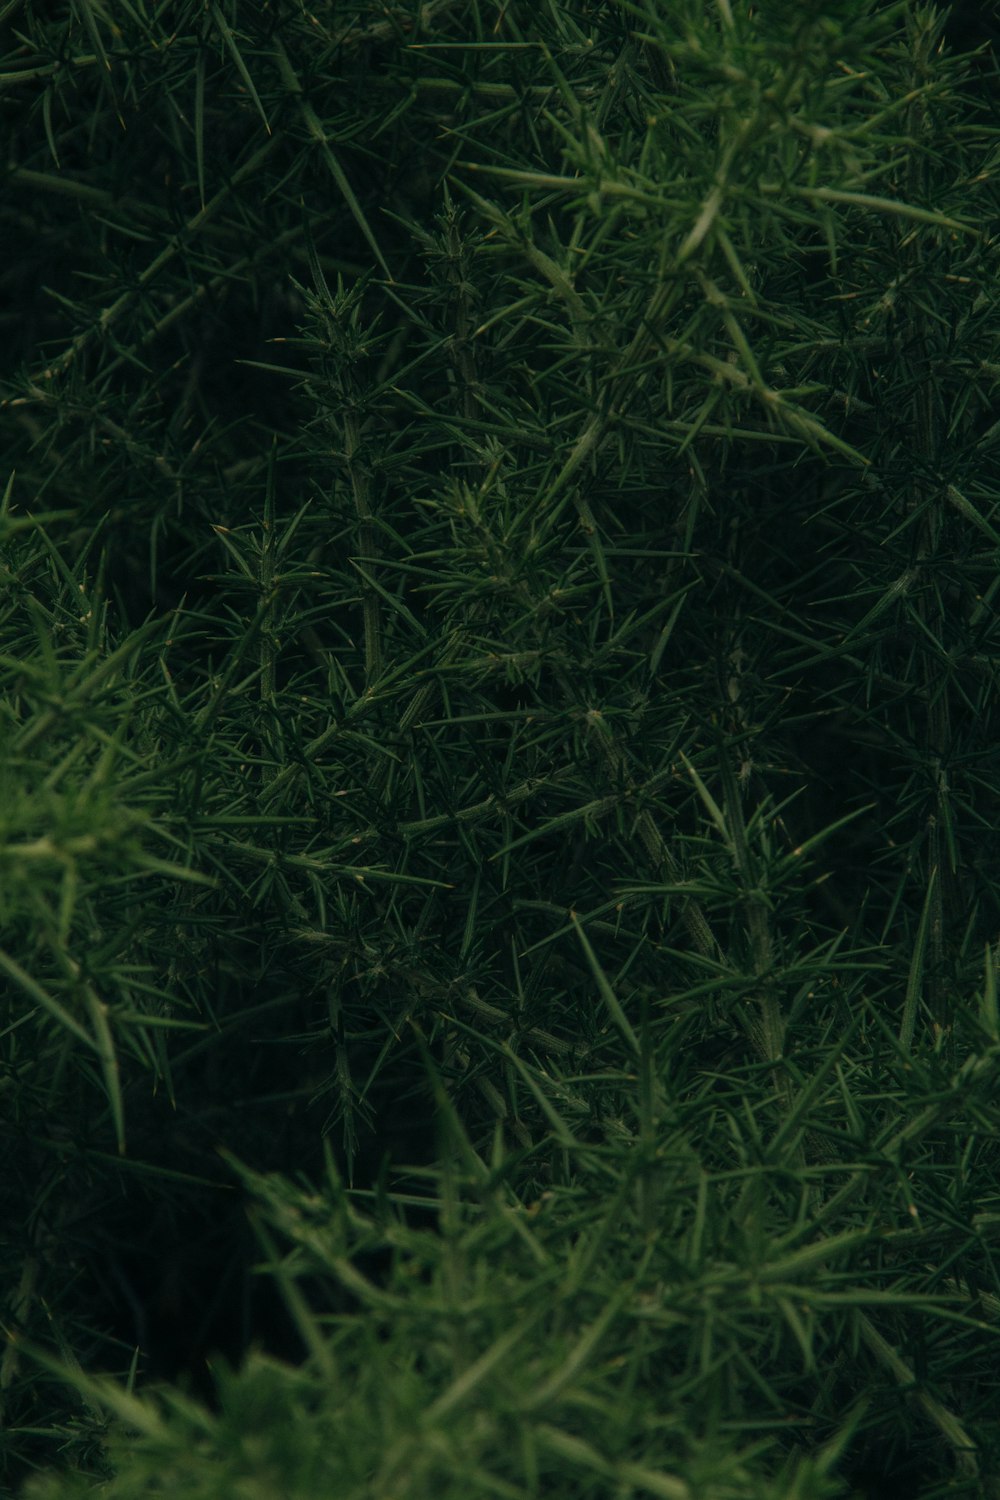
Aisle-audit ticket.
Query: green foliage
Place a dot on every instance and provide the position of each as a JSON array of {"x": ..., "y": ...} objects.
[{"x": 499, "y": 718}]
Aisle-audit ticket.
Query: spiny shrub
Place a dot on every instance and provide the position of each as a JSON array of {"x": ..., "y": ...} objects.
[{"x": 497, "y": 755}]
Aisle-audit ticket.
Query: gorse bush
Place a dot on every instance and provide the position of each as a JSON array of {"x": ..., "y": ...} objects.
[{"x": 498, "y": 874}]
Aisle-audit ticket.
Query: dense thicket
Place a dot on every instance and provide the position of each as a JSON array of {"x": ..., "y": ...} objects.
[{"x": 498, "y": 644}]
